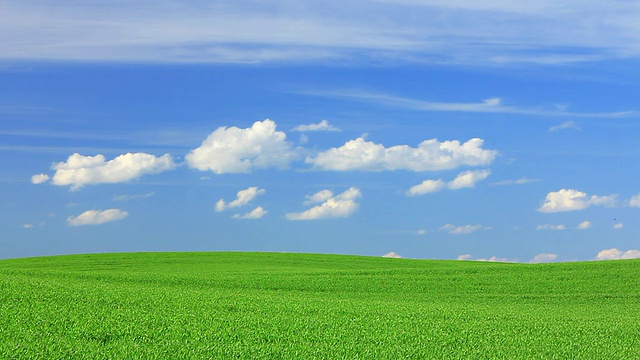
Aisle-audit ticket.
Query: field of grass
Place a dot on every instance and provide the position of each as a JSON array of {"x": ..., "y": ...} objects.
[{"x": 304, "y": 306}]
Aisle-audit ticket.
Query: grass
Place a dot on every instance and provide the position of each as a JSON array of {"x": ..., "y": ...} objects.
[{"x": 303, "y": 306}]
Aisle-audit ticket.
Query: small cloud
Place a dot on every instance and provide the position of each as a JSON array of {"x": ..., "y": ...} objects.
[
  {"x": 551, "y": 227},
  {"x": 132, "y": 197},
  {"x": 421, "y": 232},
  {"x": 492, "y": 101},
  {"x": 584, "y": 225},
  {"x": 615, "y": 254},
  {"x": 496, "y": 259},
  {"x": 572, "y": 200},
  {"x": 392, "y": 255},
  {"x": 426, "y": 187},
  {"x": 520, "y": 181},
  {"x": 303, "y": 139},
  {"x": 618, "y": 226},
  {"x": 256, "y": 213},
  {"x": 465, "y": 257},
  {"x": 28, "y": 226},
  {"x": 342, "y": 205},
  {"x": 564, "y": 126},
  {"x": 39, "y": 178},
  {"x": 319, "y": 197},
  {"x": 635, "y": 201},
  {"x": 460, "y": 230},
  {"x": 467, "y": 179},
  {"x": 321, "y": 126},
  {"x": 543, "y": 258},
  {"x": 243, "y": 197},
  {"x": 95, "y": 217}
]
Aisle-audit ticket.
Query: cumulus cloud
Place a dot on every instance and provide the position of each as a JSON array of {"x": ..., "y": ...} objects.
[
  {"x": 319, "y": 197},
  {"x": 459, "y": 230},
  {"x": 243, "y": 197},
  {"x": 571, "y": 200},
  {"x": 551, "y": 227},
  {"x": 39, "y": 178},
  {"x": 235, "y": 150},
  {"x": 635, "y": 201},
  {"x": 321, "y": 126},
  {"x": 544, "y": 257},
  {"x": 256, "y": 213},
  {"x": 81, "y": 170},
  {"x": 565, "y": 125},
  {"x": 363, "y": 155},
  {"x": 465, "y": 257},
  {"x": 467, "y": 179},
  {"x": 342, "y": 205},
  {"x": 615, "y": 254},
  {"x": 95, "y": 217},
  {"x": 584, "y": 225},
  {"x": 392, "y": 255}
]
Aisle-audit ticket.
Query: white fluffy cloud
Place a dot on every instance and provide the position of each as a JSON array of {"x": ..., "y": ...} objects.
[
  {"x": 465, "y": 257},
  {"x": 571, "y": 200},
  {"x": 459, "y": 230},
  {"x": 584, "y": 225},
  {"x": 551, "y": 227},
  {"x": 615, "y": 254},
  {"x": 256, "y": 213},
  {"x": 80, "y": 170},
  {"x": 39, "y": 178},
  {"x": 235, "y": 150},
  {"x": 321, "y": 126},
  {"x": 341, "y": 205},
  {"x": 544, "y": 257},
  {"x": 467, "y": 179},
  {"x": 392, "y": 255},
  {"x": 319, "y": 197},
  {"x": 95, "y": 217},
  {"x": 635, "y": 201},
  {"x": 243, "y": 197},
  {"x": 363, "y": 155}
]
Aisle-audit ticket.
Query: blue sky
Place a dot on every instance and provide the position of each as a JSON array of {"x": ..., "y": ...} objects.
[{"x": 424, "y": 129}]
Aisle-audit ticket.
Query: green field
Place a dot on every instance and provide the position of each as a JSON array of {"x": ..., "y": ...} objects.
[{"x": 303, "y": 306}]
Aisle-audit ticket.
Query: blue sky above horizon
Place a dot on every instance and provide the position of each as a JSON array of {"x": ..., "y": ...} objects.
[{"x": 424, "y": 129}]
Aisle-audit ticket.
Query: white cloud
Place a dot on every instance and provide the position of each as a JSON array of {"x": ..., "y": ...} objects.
[
  {"x": 465, "y": 257},
  {"x": 618, "y": 226},
  {"x": 615, "y": 254},
  {"x": 319, "y": 197},
  {"x": 468, "y": 179},
  {"x": 243, "y": 197},
  {"x": 342, "y": 205},
  {"x": 459, "y": 230},
  {"x": 520, "y": 181},
  {"x": 256, "y": 213},
  {"x": 584, "y": 225},
  {"x": 235, "y": 150},
  {"x": 80, "y": 170},
  {"x": 321, "y": 126},
  {"x": 28, "y": 226},
  {"x": 133, "y": 197},
  {"x": 544, "y": 257},
  {"x": 551, "y": 227},
  {"x": 392, "y": 255},
  {"x": 635, "y": 201},
  {"x": 571, "y": 200},
  {"x": 496, "y": 259},
  {"x": 421, "y": 232},
  {"x": 39, "y": 178},
  {"x": 364, "y": 155},
  {"x": 565, "y": 125},
  {"x": 95, "y": 217}
]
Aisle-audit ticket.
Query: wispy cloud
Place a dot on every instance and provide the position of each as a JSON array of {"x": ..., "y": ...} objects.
[{"x": 564, "y": 126}]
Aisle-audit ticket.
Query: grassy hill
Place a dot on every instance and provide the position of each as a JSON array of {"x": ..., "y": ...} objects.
[{"x": 304, "y": 306}]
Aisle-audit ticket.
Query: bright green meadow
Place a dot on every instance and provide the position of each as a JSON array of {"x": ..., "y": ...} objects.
[{"x": 305, "y": 306}]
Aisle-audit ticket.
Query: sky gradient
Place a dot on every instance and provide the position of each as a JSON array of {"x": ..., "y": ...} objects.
[{"x": 501, "y": 131}]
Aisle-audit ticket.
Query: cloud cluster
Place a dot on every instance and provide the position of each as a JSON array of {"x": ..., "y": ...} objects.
[
  {"x": 321, "y": 126},
  {"x": 235, "y": 150},
  {"x": 467, "y": 179},
  {"x": 551, "y": 227},
  {"x": 96, "y": 217},
  {"x": 544, "y": 257},
  {"x": 615, "y": 254},
  {"x": 392, "y": 255},
  {"x": 243, "y": 197},
  {"x": 430, "y": 155},
  {"x": 572, "y": 200},
  {"x": 491, "y": 259},
  {"x": 460, "y": 230},
  {"x": 342, "y": 205},
  {"x": 80, "y": 170}
]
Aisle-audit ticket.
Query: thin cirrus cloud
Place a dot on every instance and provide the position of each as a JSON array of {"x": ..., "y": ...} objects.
[
  {"x": 243, "y": 197},
  {"x": 81, "y": 170},
  {"x": 467, "y": 179},
  {"x": 461, "y": 230},
  {"x": 572, "y": 200},
  {"x": 321, "y": 126},
  {"x": 96, "y": 217},
  {"x": 338, "y": 206},
  {"x": 238, "y": 32},
  {"x": 565, "y": 125},
  {"x": 235, "y": 150},
  {"x": 363, "y": 155}
]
